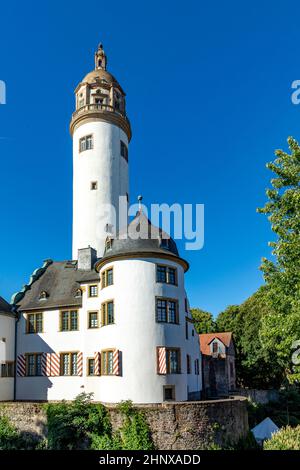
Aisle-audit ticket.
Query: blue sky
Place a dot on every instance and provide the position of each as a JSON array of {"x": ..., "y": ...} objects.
[{"x": 209, "y": 98}]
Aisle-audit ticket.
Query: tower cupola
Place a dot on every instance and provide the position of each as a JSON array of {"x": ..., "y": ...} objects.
[{"x": 99, "y": 96}]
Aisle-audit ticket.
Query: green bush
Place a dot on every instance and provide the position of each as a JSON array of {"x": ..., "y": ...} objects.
[
  {"x": 74, "y": 425},
  {"x": 134, "y": 433},
  {"x": 9, "y": 437},
  {"x": 287, "y": 438}
]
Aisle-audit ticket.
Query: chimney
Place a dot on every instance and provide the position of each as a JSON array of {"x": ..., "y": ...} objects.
[{"x": 87, "y": 257}]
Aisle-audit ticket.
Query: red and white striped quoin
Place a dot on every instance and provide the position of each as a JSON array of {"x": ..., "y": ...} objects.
[
  {"x": 79, "y": 363},
  {"x": 161, "y": 360},
  {"x": 116, "y": 362},
  {"x": 21, "y": 365}
]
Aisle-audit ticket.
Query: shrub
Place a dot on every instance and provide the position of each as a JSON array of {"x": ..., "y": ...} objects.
[
  {"x": 75, "y": 425},
  {"x": 9, "y": 437},
  {"x": 287, "y": 438},
  {"x": 134, "y": 433}
]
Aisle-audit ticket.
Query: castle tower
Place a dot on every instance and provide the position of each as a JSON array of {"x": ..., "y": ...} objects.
[{"x": 101, "y": 133}]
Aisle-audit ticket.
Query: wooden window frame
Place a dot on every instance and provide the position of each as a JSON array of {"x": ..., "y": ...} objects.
[
  {"x": 105, "y": 351},
  {"x": 167, "y": 299},
  {"x": 70, "y": 363},
  {"x": 168, "y": 361},
  {"x": 172, "y": 387},
  {"x": 104, "y": 277},
  {"x": 104, "y": 313},
  {"x": 88, "y": 359},
  {"x": 167, "y": 266},
  {"x": 89, "y": 290},
  {"x": 6, "y": 365},
  {"x": 35, "y": 323},
  {"x": 85, "y": 139},
  {"x": 69, "y": 330},
  {"x": 35, "y": 354},
  {"x": 88, "y": 319}
]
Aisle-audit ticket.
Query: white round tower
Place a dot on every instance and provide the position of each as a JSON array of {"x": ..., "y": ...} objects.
[{"x": 101, "y": 133}]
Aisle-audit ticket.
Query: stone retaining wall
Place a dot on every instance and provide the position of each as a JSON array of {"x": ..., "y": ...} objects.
[{"x": 177, "y": 426}]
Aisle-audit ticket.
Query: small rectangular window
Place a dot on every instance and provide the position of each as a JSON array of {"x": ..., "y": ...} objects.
[
  {"x": 68, "y": 363},
  {"x": 34, "y": 323},
  {"x": 93, "y": 290},
  {"x": 107, "y": 278},
  {"x": 167, "y": 311},
  {"x": 33, "y": 364},
  {"x": 107, "y": 313},
  {"x": 7, "y": 369},
  {"x": 94, "y": 185},
  {"x": 215, "y": 347},
  {"x": 186, "y": 330},
  {"x": 169, "y": 392},
  {"x": 166, "y": 274},
  {"x": 93, "y": 319},
  {"x": 173, "y": 360},
  {"x": 86, "y": 143},
  {"x": 124, "y": 150},
  {"x": 91, "y": 366},
  {"x": 107, "y": 362},
  {"x": 69, "y": 320},
  {"x": 188, "y": 364}
]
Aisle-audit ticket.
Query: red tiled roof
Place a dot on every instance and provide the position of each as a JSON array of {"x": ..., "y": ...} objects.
[{"x": 206, "y": 339}]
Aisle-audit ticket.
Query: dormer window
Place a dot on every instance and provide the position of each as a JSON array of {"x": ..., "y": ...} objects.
[
  {"x": 164, "y": 243},
  {"x": 78, "y": 293},
  {"x": 108, "y": 244},
  {"x": 215, "y": 347},
  {"x": 43, "y": 295}
]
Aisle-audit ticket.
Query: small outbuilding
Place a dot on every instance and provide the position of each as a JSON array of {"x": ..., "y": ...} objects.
[{"x": 218, "y": 364}]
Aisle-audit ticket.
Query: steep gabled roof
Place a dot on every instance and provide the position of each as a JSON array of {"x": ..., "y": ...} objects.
[
  {"x": 60, "y": 280},
  {"x": 5, "y": 307},
  {"x": 207, "y": 338}
]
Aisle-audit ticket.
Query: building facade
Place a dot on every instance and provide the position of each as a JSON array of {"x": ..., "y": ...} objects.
[
  {"x": 113, "y": 321},
  {"x": 218, "y": 364},
  {"x": 7, "y": 351}
]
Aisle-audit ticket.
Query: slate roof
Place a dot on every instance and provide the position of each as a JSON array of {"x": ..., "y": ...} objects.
[
  {"x": 207, "y": 338},
  {"x": 60, "y": 280},
  {"x": 5, "y": 307},
  {"x": 141, "y": 237}
]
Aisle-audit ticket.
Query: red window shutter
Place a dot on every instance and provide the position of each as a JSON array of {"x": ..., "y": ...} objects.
[
  {"x": 116, "y": 362},
  {"x": 54, "y": 364},
  {"x": 21, "y": 365},
  {"x": 79, "y": 364},
  {"x": 161, "y": 360},
  {"x": 97, "y": 359}
]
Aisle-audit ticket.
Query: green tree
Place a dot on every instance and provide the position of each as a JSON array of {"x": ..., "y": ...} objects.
[
  {"x": 255, "y": 366},
  {"x": 227, "y": 320},
  {"x": 281, "y": 326},
  {"x": 203, "y": 321}
]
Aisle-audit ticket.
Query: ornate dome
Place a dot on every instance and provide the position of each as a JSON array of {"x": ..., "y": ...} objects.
[{"x": 99, "y": 74}]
